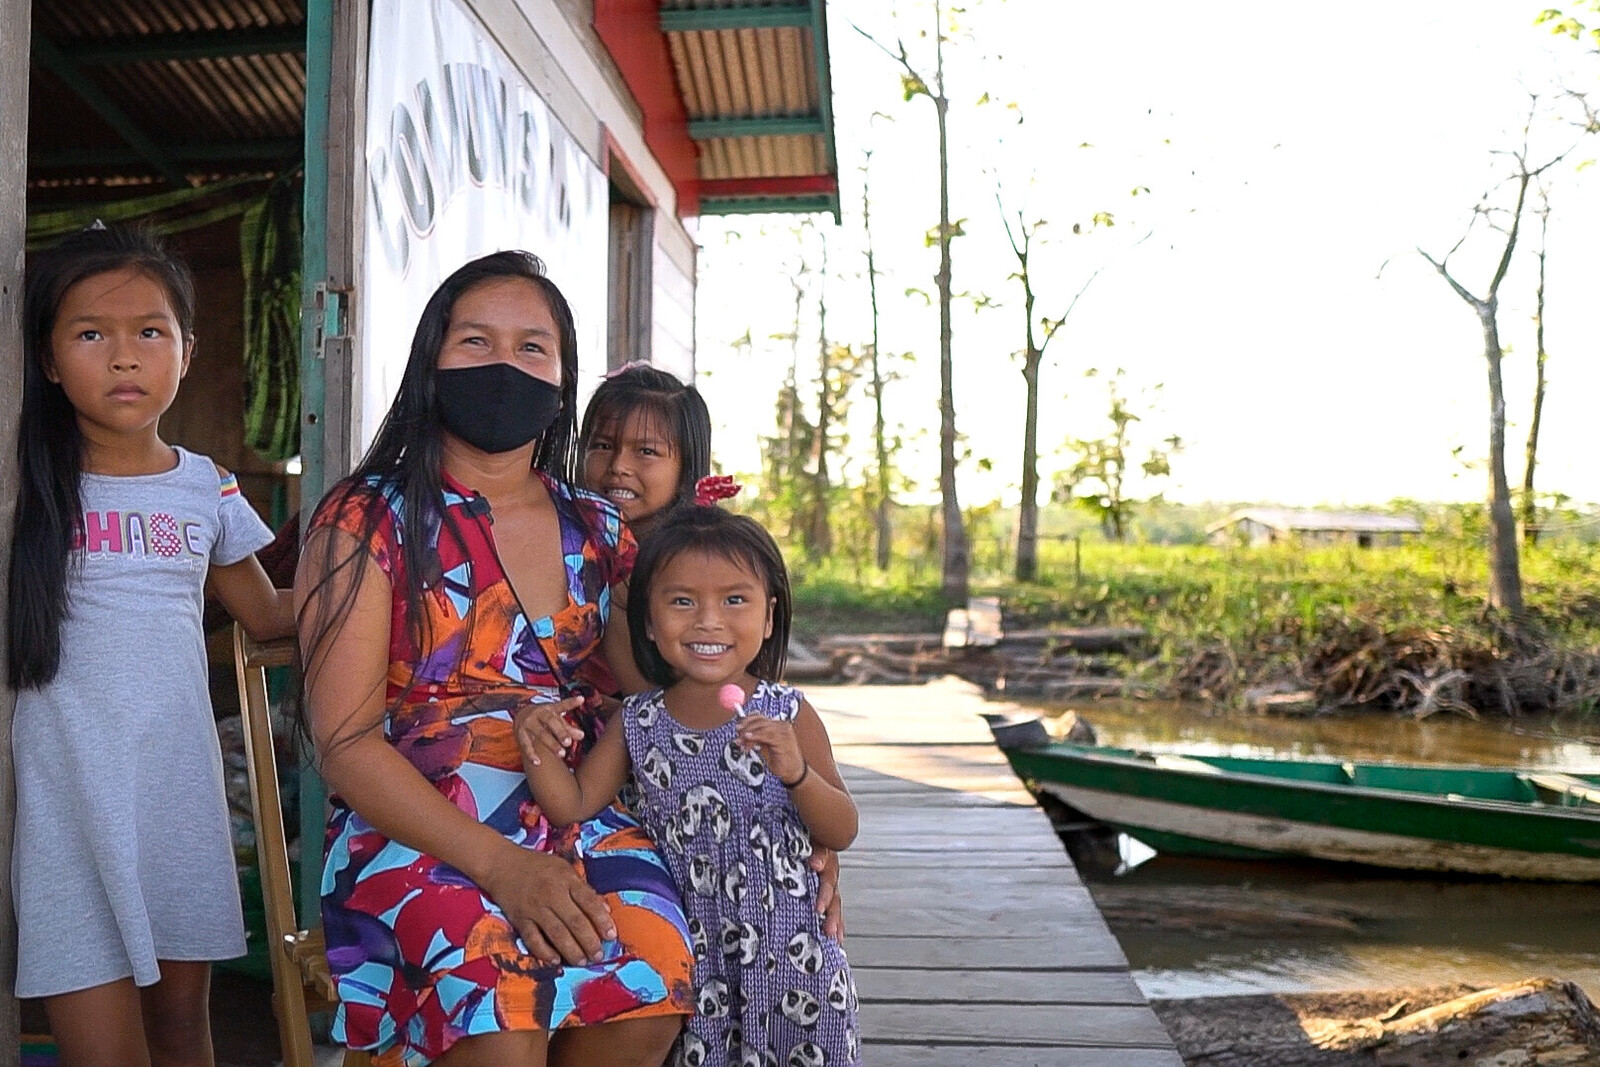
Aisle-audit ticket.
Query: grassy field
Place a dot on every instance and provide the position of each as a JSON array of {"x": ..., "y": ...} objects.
[{"x": 1225, "y": 618}]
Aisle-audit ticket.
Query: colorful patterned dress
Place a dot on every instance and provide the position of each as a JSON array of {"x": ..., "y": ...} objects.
[
  {"x": 770, "y": 989},
  {"x": 420, "y": 955}
]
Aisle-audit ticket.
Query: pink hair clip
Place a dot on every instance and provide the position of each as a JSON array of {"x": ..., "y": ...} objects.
[
  {"x": 714, "y": 487},
  {"x": 632, "y": 363}
]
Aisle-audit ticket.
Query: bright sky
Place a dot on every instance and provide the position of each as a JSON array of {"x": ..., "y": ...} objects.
[{"x": 1290, "y": 150}]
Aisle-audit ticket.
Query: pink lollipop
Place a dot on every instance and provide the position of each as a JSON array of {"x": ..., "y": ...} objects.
[{"x": 731, "y": 697}]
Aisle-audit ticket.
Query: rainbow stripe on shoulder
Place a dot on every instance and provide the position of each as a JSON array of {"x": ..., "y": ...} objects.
[{"x": 230, "y": 486}]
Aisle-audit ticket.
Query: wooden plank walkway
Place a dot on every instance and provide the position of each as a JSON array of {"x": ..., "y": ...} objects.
[{"x": 971, "y": 937}]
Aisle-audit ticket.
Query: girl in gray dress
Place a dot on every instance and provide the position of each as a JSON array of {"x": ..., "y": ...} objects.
[
  {"x": 736, "y": 780},
  {"x": 122, "y": 866}
]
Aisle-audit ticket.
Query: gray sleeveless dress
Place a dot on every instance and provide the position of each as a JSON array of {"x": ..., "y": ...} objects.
[
  {"x": 122, "y": 855},
  {"x": 770, "y": 989}
]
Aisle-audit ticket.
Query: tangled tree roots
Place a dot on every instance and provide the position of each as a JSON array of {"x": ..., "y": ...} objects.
[{"x": 1353, "y": 661}]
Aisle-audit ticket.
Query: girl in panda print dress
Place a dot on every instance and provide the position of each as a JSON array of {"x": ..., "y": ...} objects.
[{"x": 733, "y": 796}]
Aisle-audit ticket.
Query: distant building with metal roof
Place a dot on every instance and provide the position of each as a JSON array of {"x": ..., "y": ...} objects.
[{"x": 1265, "y": 526}]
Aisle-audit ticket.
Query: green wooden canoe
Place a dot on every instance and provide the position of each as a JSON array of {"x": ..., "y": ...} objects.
[{"x": 1514, "y": 823}]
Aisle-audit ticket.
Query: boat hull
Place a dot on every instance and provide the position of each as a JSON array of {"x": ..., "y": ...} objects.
[
  {"x": 1185, "y": 830},
  {"x": 1466, "y": 820}
]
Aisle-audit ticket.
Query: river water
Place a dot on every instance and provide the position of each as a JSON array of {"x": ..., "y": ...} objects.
[{"x": 1391, "y": 930}]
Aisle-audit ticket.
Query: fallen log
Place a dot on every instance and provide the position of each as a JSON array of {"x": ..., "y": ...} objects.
[
  {"x": 1080, "y": 638},
  {"x": 1064, "y": 639},
  {"x": 1538, "y": 1021},
  {"x": 902, "y": 643}
]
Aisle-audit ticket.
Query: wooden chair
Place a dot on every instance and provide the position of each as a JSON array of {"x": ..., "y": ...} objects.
[{"x": 301, "y": 983}]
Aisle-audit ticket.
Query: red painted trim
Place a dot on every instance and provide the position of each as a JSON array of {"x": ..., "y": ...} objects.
[
  {"x": 614, "y": 152},
  {"x": 801, "y": 185},
  {"x": 631, "y": 32}
]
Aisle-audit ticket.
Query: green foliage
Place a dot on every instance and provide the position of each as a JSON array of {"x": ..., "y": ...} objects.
[
  {"x": 1563, "y": 24},
  {"x": 1264, "y": 603},
  {"x": 783, "y": 500},
  {"x": 1096, "y": 481},
  {"x": 931, "y": 238}
]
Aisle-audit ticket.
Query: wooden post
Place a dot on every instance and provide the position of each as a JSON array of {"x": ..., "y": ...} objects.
[{"x": 15, "y": 29}]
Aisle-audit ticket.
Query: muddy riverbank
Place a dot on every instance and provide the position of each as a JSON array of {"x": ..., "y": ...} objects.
[{"x": 1533, "y": 1022}]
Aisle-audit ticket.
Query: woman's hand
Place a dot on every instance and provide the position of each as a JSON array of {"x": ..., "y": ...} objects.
[
  {"x": 542, "y": 729},
  {"x": 830, "y": 905},
  {"x": 556, "y": 913},
  {"x": 776, "y": 743}
]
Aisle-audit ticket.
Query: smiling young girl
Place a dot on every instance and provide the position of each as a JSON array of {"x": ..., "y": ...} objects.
[
  {"x": 646, "y": 441},
  {"x": 735, "y": 796},
  {"x": 121, "y": 860}
]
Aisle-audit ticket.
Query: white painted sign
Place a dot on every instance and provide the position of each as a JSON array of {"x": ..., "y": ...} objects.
[{"x": 463, "y": 159}]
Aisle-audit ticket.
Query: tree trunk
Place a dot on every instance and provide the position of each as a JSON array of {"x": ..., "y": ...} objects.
[
  {"x": 791, "y": 428},
  {"x": 1530, "y": 512},
  {"x": 819, "y": 528},
  {"x": 955, "y": 534},
  {"x": 885, "y": 532},
  {"x": 1505, "y": 577},
  {"x": 1028, "y": 511}
]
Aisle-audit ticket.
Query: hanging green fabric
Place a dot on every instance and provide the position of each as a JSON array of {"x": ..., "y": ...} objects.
[{"x": 269, "y": 252}]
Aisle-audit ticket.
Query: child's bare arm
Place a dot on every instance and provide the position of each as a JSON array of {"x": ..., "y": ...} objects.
[
  {"x": 800, "y": 754},
  {"x": 617, "y": 646},
  {"x": 247, "y": 593},
  {"x": 569, "y": 796}
]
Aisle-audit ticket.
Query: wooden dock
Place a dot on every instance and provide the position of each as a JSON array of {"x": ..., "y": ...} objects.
[{"x": 970, "y": 934}]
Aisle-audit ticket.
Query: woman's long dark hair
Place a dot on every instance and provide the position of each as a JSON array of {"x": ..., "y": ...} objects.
[
  {"x": 677, "y": 408},
  {"x": 738, "y": 539},
  {"x": 49, "y": 519},
  {"x": 406, "y": 455}
]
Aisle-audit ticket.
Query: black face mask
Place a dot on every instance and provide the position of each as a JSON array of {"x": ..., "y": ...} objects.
[{"x": 494, "y": 406}]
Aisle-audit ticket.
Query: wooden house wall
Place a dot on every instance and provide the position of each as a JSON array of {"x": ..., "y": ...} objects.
[{"x": 17, "y": 18}]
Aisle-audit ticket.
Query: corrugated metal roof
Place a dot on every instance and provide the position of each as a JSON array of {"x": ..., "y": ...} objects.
[
  {"x": 1290, "y": 520},
  {"x": 753, "y": 75},
  {"x": 128, "y": 92}
]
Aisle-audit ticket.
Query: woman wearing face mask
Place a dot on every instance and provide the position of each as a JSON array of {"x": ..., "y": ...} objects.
[{"x": 452, "y": 582}]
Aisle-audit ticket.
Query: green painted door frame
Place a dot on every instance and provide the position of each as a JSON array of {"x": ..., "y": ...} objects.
[
  {"x": 313, "y": 271},
  {"x": 336, "y": 61}
]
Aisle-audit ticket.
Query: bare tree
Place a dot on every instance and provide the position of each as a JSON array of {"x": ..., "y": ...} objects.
[
  {"x": 881, "y": 505},
  {"x": 956, "y": 553},
  {"x": 1505, "y": 575},
  {"x": 1530, "y": 512},
  {"x": 818, "y": 529},
  {"x": 786, "y": 453},
  {"x": 1021, "y": 239}
]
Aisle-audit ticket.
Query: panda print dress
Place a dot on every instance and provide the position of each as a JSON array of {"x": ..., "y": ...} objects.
[{"x": 770, "y": 989}]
